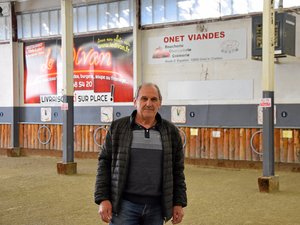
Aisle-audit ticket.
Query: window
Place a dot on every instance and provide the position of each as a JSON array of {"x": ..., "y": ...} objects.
[
  {"x": 124, "y": 14},
  {"x": 163, "y": 11},
  {"x": 92, "y": 18},
  {"x": 36, "y": 30},
  {"x": 26, "y": 19},
  {"x": 4, "y": 28},
  {"x": 113, "y": 15},
  {"x": 82, "y": 19},
  {"x": 45, "y": 28},
  {"x": 54, "y": 22},
  {"x": 102, "y": 17},
  {"x": 89, "y": 18}
]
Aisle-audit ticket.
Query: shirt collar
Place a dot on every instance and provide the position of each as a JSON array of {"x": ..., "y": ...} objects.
[{"x": 157, "y": 117}]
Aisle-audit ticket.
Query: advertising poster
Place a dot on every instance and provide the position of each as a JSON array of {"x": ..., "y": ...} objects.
[
  {"x": 198, "y": 47},
  {"x": 103, "y": 70},
  {"x": 40, "y": 70}
]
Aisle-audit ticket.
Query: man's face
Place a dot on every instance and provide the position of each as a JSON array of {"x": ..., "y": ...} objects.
[{"x": 147, "y": 103}]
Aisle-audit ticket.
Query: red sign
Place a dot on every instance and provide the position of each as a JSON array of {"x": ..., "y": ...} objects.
[
  {"x": 102, "y": 64},
  {"x": 265, "y": 102}
]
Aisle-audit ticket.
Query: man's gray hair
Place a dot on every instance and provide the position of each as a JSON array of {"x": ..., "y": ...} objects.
[{"x": 148, "y": 84}]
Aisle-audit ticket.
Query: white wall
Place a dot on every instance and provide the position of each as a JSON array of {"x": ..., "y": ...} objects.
[
  {"x": 287, "y": 75},
  {"x": 6, "y": 76}
]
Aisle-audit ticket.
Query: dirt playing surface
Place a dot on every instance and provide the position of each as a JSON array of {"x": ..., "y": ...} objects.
[{"x": 32, "y": 193}]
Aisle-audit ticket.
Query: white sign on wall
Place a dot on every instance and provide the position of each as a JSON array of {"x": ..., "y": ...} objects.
[
  {"x": 260, "y": 118},
  {"x": 80, "y": 98},
  {"x": 46, "y": 114},
  {"x": 210, "y": 89},
  {"x": 106, "y": 114},
  {"x": 178, "y": 114},
  {"x": 196, "y": 47}
]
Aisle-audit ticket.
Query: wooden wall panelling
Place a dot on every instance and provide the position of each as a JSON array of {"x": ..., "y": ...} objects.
[
  {"x": 296, "y": 146},
  {"x": 40, "y": 137},
  {"x": 247, "y": 144},
  {"x": 231, "y": 144},
  {"x": 82, "y": 139},
  {"x": 25, "y": 137},
  {"x": 97, "y": 139},
  {"x": 91, "y": 138},
  {"x": 2, "y": 136},
  {"x": 277, "y": 145},
  {"x": 237, "y": 144},
  {"x": 45, "y": 135},
  {"x": 261, "y": 146},
  {"x": 95, "y": 146},
  {"x": 103, "y": 134},
  {"x": 48, "y": 137},
  {"x": 242, "y": 155},
  {"x": 35, "y": 141},
  {"x": 226, "y": 144},
  {"x": 21, "y": 135},
  {"x": 213, "y": 145},
  {"x": 290, "y": 141},
  {"x": 55, "y": 147},
  {"x": 255, "y": 144},
  {"x": 9, "y": 128},
  {"x": 207, "y": 143},
  {"x": 86, "y": 138},
  {"x": 202, "y": 142},
  {"x": 198, "y": 143},
  {"x": 5, "y": 135},
  {"x": 220, "y": 143},
  {"x": 187, "y": 146},
  {"x": 31, "y": 136},
  {"x": 78, "y": 136},
  {"x": 193, "y": 137},
  {"x": 59, "y": 137},
  {"x": 53, "y": 139},
  {"x": 284, "y": 143}
]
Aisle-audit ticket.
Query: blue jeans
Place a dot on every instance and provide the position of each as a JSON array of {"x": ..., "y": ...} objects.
[{"x": 138, "y": 214}]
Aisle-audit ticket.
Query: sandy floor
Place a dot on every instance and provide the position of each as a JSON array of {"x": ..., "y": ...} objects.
[{"x": 32, "y": 193}]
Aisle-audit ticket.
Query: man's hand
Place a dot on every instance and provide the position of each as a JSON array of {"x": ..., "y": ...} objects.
[
  {"x": 177, "y": 214},
  {"x": 105, "y": 211}
]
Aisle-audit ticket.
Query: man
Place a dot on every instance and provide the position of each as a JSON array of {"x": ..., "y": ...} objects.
[{"x": 140, "y": 178}]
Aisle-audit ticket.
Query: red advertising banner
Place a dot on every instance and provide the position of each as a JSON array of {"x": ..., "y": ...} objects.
[
  {"x": 103, "y": 70},
  {"x": 40, "y": 70}
]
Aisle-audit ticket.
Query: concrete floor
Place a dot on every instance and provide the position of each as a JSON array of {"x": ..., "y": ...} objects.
[{"x": 32, "y": 193}]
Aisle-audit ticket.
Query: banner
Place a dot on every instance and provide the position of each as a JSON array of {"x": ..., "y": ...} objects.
[
  {"x": 40, "y": 70},
  {"x": 103, "y": 70},
  {"x": 196, "y": 47}
]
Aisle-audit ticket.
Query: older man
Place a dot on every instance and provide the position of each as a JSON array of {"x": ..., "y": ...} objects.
[{"x": 140, "y": 178}]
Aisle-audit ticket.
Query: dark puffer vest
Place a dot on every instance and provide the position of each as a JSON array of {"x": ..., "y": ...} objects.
[{"x": 114, "y": 159}]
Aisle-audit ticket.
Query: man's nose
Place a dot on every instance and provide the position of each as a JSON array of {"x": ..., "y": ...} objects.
[{"x": 149, "y": 102}]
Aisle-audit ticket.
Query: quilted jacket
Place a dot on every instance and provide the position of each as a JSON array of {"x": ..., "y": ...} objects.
[{"x": 113, "y": 165}]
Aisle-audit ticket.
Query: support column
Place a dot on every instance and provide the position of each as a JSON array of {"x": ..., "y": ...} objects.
[
  {"x": 67, "y": 166},
  {"x": 137, "y": 46},
  {"x": 14, "y": 149},
  {"x": 268, "y": 182}
]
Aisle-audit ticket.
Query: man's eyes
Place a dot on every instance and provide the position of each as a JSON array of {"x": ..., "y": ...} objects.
[{"x": 146, "y": 99}]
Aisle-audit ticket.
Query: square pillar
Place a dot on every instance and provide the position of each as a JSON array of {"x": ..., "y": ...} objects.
[
  {"x": 68, "y": 168},
  {"x": 268, "y": 184}
]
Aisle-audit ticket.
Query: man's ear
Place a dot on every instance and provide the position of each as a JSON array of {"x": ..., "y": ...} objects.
[{"x": 134, "y": 102}]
